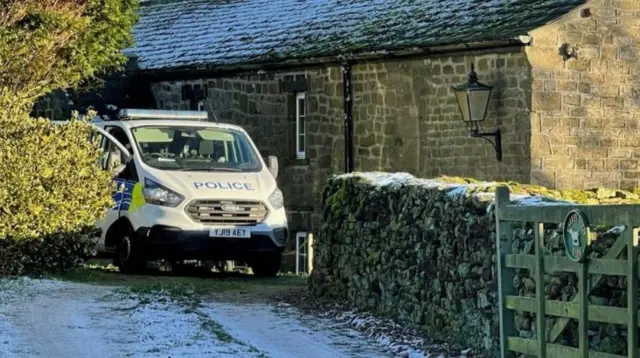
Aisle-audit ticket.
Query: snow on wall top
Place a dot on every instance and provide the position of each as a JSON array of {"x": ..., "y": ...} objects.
[
  {"x": 193, "y": 33},
  {"x": 380, "y": 179}
]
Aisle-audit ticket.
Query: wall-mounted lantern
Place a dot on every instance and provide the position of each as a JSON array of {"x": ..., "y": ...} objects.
[{"x": 473, "y": 99}]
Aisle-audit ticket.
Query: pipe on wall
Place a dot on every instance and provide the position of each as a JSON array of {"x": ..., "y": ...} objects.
[{"x": 347, "y": 91}]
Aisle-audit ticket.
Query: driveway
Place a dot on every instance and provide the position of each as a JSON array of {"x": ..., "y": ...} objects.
[{"x": 51, "y": 318}]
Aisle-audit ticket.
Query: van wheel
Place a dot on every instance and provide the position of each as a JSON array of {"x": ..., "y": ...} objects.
[
  {"x": 129, "y": 255},
  {"x": 266, "y": 265}
]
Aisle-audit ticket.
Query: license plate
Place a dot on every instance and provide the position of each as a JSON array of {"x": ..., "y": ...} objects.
[{"x": 233, "y": 232}]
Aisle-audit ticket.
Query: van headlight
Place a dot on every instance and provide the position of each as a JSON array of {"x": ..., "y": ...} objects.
[
  {"x": 157, "y": 194},
  {"x": 276, "y": 199}
]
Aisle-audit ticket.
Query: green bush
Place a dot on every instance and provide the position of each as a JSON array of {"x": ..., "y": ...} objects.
[
  {"x": 51, "y": 188},
  {"x": 51, "y": 253},
  {"x": 51, "y": 192},
  {"x": 52, "y": 44}
]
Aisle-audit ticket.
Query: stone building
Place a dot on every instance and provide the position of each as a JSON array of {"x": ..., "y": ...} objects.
[{"x": 365, "y": 85}]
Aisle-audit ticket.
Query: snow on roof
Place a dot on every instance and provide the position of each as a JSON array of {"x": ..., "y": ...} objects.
[{"x": 193, "y": 33}]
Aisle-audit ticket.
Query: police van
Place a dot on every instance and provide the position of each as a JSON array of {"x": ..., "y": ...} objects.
[{"x": 186, "y": 188}]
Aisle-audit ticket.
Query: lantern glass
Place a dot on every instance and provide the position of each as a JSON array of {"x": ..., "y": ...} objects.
[
  {"x": 462, "y": 96},
  {"x": 478, "y": 103},
  {"x": 473, "y": 99}
]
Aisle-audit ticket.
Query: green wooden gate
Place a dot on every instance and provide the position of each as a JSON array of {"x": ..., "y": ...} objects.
[{"x": 589, "y": 270}]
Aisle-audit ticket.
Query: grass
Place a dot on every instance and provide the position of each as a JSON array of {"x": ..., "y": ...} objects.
[{"x": 199, "y": 283}]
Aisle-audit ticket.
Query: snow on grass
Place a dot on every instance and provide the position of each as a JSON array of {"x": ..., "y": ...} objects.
[
  {"x": 395, "y": 338},
  {"x": 42, "y": 318},
  {"x": 164, "y": 327},
  {"x": 284, "y": 332},
  {"x": 11, "y": 287},
  {"x": 176, "y": 326}
]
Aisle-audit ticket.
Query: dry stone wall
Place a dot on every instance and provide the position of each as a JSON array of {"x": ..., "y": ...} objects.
[{"x": 423, "y": 252}]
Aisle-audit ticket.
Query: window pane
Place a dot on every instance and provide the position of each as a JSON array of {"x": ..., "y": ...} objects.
[
  {"x": 301, "y": 143},
  {"x": 207, "y": 148},
  {"x": 301, "y": 109},
  {"x": 301, "y": 125}
]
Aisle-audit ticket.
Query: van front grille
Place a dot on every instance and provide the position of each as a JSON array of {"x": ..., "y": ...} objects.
[{"x": 227, "y": 212}]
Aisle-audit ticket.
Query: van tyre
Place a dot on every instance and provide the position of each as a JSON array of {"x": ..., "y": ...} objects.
[
  {"x": 267, "y": 265},
  {"x": 129, "y": 253}
]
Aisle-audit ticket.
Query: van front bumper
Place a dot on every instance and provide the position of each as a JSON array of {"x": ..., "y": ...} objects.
[{"x": 175, "y": 244}]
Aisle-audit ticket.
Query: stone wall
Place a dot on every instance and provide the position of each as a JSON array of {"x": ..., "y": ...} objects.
[
  {"x": 586, "y": 108},
  {"x": 407, "y": 118},
  {"x": 423, "y": 253}
]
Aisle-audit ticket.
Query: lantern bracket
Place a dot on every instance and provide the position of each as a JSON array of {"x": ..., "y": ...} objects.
[{"x": 496, "y": 142}]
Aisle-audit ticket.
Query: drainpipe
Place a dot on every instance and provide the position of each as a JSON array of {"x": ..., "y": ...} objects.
[{"x": 347, "y": 91}]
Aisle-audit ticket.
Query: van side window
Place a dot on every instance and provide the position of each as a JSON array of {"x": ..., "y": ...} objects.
[
  {"x": 130, "y": 173},
  {"x": 119, "y": 134}
]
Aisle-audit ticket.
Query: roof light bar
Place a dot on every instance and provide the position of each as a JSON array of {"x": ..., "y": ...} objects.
[{"x": 135, "y": 114}]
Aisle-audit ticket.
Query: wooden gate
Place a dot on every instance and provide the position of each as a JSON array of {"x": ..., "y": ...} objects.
[{"x": 589, "y": 270}]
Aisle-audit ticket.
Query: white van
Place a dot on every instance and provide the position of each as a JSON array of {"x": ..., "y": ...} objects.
[{"x": 189, "y": 189}]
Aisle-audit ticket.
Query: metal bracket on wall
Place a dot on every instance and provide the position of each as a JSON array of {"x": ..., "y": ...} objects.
[{"x": 496, "y": 143}]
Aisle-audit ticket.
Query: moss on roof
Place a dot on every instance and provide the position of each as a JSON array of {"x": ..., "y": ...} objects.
[{"x": 192, "y": 33}]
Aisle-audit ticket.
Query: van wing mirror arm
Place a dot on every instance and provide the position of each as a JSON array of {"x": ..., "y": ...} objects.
[{"x": 272, "y": 162}]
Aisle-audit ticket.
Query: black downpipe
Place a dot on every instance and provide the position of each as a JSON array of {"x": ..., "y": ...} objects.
[{"x": 347, "y": 91}]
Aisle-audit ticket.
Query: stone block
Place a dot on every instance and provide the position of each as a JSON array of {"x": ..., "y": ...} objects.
[
  {"x": 588, "y": 152},
  {"x": 567, "y": 86},
  {"x": 629, "y": 184},
  {"x": 628, "y": 164},
  {"x": 613, "y": 102},
  {"x": 620, "y": 153},
  {"x": 570, "y": 179},
  {"x": 552, "y": 163},
  {"x": 584, "y": 87},
  {"x": 582, "y": 65},
  {"x": 544, "y": 58},
  {"x": 547, "y": 101},
  {"x": 632, "y": 175},
  {"x": 629, "y": 142}
]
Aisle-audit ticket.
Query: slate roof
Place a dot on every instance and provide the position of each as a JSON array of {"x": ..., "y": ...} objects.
[{"x": 191, "y": 33}]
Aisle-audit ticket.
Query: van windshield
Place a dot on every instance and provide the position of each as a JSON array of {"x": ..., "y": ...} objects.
[{"x": 175, "y": 147}]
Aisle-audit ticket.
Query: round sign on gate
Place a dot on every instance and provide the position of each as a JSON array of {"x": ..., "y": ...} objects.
[{"x": 575, "y": 233}]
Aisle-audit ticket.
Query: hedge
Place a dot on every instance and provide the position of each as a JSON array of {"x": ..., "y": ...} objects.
[
  {"x": 52, "y": 191},
  {"x": 423, "y": 252}
]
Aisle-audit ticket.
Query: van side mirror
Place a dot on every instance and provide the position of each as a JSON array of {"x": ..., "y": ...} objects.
[{"x": 272, "y": 163}]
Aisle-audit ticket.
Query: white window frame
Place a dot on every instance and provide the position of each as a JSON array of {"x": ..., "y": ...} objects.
[
  {"x": 301, "y": 153},
  {"x": 301, "y": 242}
]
